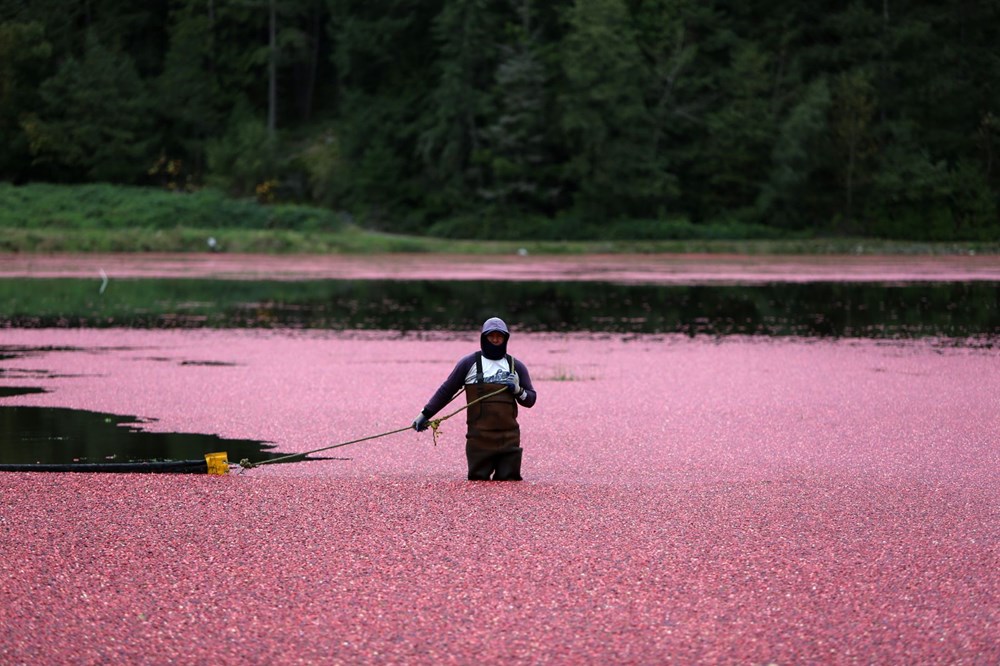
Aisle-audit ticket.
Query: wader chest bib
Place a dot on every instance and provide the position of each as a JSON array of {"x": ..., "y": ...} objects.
[{"x": 493, "y": 441}]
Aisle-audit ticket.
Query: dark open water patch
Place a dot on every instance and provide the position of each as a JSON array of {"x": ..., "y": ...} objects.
[
  {"x": 81, "y": 439},
  {"x": 10, "y": 391},
  {"x": 833, "y": 309}
]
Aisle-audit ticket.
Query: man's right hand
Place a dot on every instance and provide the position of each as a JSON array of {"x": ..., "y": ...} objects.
[{"x": 420, "y": 423}]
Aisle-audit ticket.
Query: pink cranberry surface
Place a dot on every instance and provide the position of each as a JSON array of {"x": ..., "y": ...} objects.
[
  {"x": 742, "y": 500},
  {"x": 687, "y": 500}
]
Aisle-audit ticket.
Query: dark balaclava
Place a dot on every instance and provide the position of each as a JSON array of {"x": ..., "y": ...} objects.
[{"x": 491, "y": 351}]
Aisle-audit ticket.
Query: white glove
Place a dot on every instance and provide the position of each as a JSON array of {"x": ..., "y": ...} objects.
[{"x": 513, "y": 383}]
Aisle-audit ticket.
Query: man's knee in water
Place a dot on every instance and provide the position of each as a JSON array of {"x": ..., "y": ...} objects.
[{"x": 508, "y": 466}]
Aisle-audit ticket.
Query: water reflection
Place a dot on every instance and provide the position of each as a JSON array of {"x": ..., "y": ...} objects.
[
  {"x": 951, "y": 309},
  {"x": 44, "y": 435}
]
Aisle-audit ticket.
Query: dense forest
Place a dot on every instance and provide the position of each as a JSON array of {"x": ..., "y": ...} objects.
[{"x": 524, "y": 118}]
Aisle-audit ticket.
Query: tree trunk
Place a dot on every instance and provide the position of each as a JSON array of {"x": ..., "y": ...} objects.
[
  {"x": 311, "y": 69},
  {"x": 272, "y": 75}
]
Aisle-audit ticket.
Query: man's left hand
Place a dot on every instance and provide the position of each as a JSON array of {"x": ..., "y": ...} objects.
[{"x": 513, "y": 384}]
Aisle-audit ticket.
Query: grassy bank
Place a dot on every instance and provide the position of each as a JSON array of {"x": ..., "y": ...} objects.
[{"x": 104, "y": 218}]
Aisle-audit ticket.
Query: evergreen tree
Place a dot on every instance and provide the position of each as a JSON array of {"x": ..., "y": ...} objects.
[
  {"x": 24, "y": 60},
  {"x": 189, "y": 101},
  {"x": 846, "y": 117},
  {"x": 522, "y": 170},
  {"x": 799, "y": 158},
  {"x": 852, "y": 117},
  {"x": 94, "y": 119},
  {"x": 604, "y": 116},
  {"x": 134, "y": 27},
  {"x": 301, "y": 41},
  {"x": 242, "y": 159},
  {"x": 685, "y": 44},
  {"x": 384, "y": 55},
  {"x": 740, "y": 133},
  {"x": 457, "y": 104}
]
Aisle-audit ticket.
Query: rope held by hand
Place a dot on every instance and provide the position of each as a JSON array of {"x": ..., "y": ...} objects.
[{"x": 434, "y": 425}]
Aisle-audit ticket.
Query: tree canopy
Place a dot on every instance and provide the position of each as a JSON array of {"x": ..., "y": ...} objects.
[{"x": 521, "y": 118}]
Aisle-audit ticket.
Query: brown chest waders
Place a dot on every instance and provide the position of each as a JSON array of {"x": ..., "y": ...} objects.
[{"x": 493, "y": 441}]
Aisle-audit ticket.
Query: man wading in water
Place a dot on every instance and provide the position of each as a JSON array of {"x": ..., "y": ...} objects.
[{"x": 493, "y": 442}]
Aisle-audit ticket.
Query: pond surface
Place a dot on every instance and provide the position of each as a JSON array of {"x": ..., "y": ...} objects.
[
  {"x": 685, "y": 494},
  {"x": 818, "y": 309},
  {"x": 50, "y": 435},
  {"x": 564, "y": 298}
]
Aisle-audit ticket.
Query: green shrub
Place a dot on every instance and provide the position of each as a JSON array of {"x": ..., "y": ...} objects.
[
  {"x": 243, "y": 158},
  {"x": 924, "y": 200},
  {"x": 81, "y": 207},
  {"x": 567, "y": 227}
]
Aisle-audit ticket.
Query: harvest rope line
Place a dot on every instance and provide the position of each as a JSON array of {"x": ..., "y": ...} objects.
[{"x": 434, "y": 425}]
